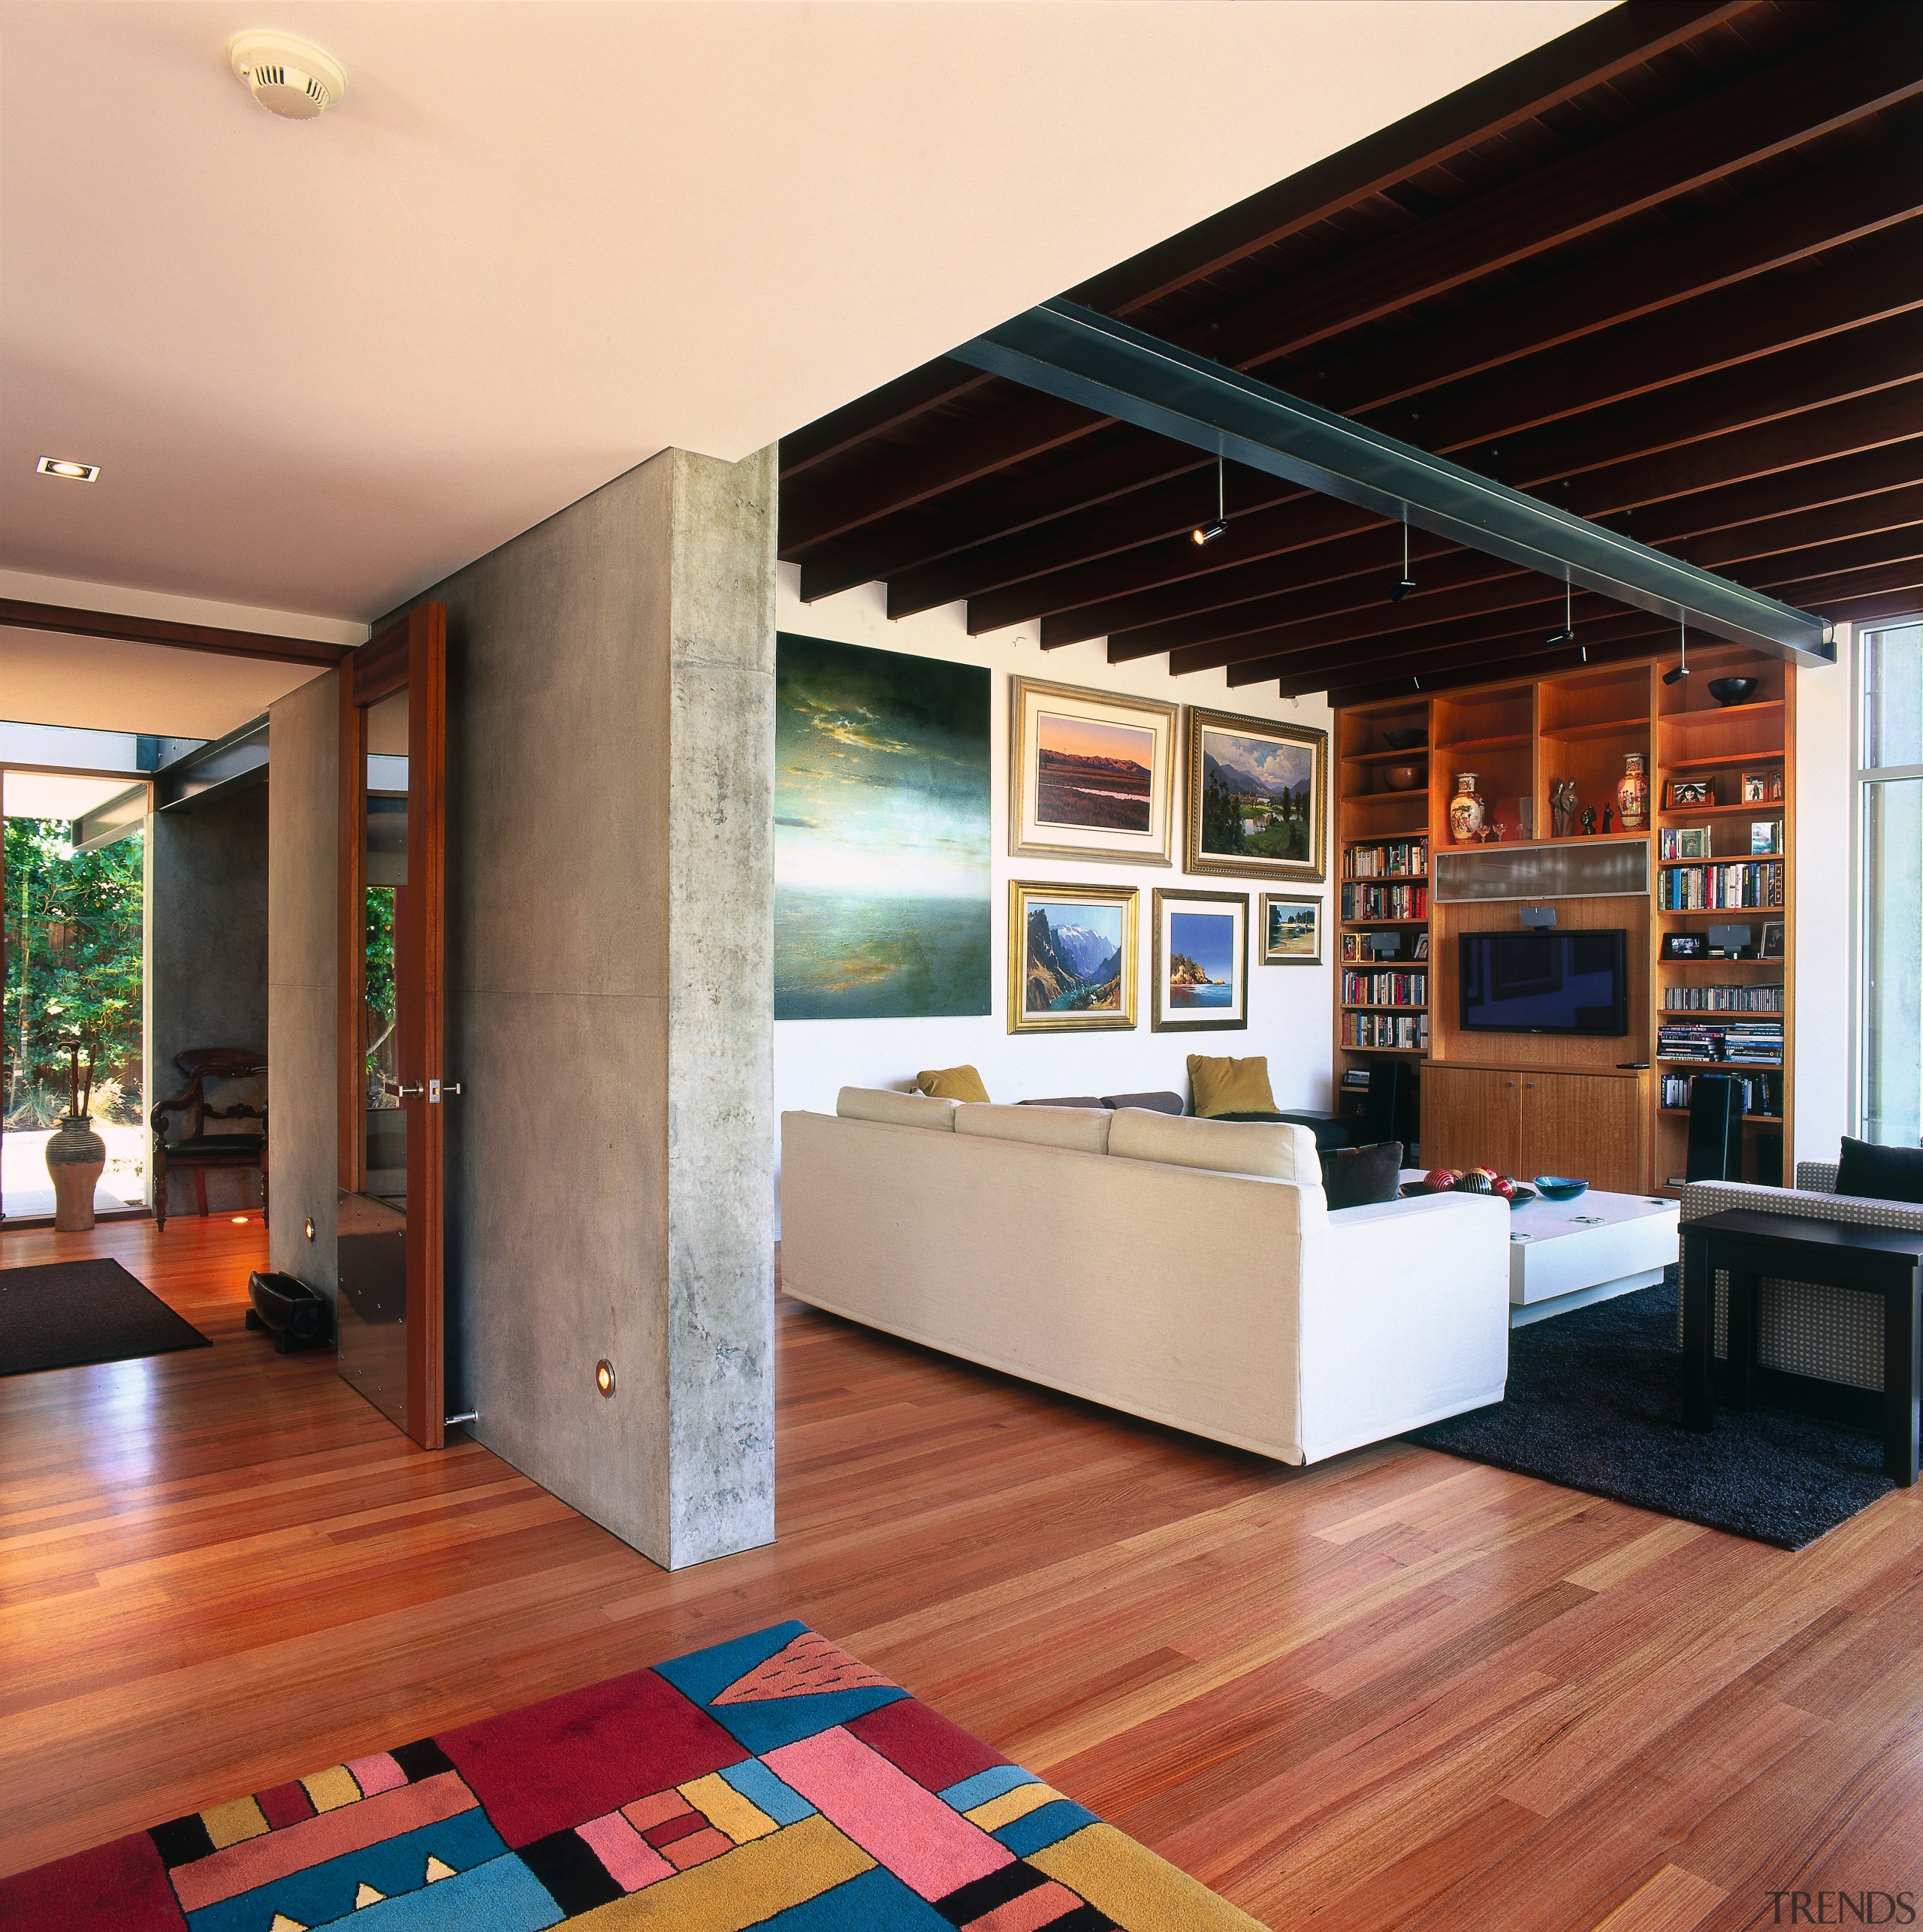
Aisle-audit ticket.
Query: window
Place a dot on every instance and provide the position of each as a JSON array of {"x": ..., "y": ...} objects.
[{"x": 1890, "y": 799}]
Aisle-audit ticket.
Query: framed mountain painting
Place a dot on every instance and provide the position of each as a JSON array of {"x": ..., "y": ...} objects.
[
  {"x": 1258, "y": 797},
  {"x": 1071, "y": 957},
  {"x": 1091, "y": 774}
]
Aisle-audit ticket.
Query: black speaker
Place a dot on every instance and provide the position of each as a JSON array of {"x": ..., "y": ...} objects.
[
  {"x": 1716, "y": 1129},
  {"x": 1769, "y": 1160},
  {"x": 1389, "y": 1111}
]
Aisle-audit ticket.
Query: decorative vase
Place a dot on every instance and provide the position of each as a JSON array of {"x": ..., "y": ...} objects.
[
  {"x": 76, "y": 1156},
  {"x": 1632, "y": 793},
  {"x": 1467, "y": 812}
]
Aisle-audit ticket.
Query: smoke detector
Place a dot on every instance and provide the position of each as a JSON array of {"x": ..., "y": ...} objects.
[{"x": 288, "y": 76}]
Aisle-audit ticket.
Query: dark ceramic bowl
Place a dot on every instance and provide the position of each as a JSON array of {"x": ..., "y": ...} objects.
[
  {"x": 1732, "y": 691},
  {"x": 1402, "y": 777},
  {"x": 1556, "y": 1187},
  {"x": 1406, "y": 739}
]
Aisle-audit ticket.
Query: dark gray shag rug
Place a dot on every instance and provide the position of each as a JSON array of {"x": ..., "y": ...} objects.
[
  {"x": 65, "y": 1313},
  {"x": 1594, "y": 1402}
]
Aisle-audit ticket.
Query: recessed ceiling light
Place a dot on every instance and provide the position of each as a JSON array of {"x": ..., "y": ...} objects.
[{"x": 65, "y": 465}]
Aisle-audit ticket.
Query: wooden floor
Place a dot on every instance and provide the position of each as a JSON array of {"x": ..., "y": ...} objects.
[{"x": 1394, "y": 1690}]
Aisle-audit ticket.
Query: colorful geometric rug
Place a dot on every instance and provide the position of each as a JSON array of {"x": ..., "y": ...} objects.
[{"x": 774, "y": 1781}]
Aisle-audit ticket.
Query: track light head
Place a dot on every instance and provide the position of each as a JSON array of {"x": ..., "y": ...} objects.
[
  {"x": 1400, "y": 589},
  {"x": 1207, "y": 532},
  {"x": 1565, "y": 636},
  {"x": 1677, "y": 676}
]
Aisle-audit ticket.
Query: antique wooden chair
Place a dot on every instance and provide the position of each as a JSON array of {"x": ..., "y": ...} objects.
[{"x": 224, "y": 1083}]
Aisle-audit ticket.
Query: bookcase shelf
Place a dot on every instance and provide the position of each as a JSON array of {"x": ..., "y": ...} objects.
[{"x": 1523, "y": 737}]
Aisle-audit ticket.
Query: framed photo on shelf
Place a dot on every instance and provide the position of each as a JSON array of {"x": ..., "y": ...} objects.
[
  {"x": 1258, "y": 798},
  {"x": 1762, "y": 788},
  {"x": 1684, "y": 946},
  {"x": 1771, "y": 947},
  {"x": 1091, "y": 774},
  {"x": 1681, "y": 793},
  {"x": 1765, "y": 836},
  {"x": 1198, "y": 962},
  {"x": 1072, "y": 957},
  {"x": 1356, "y": 948},
  {"x": 1291, "y": 930},
  {"x": 1421, "y": 946}
]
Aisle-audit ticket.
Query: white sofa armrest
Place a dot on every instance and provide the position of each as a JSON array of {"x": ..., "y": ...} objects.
[{"x": 1405, "y": 1317}]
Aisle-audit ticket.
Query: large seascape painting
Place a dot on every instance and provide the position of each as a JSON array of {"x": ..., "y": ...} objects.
[{"x": 881, "y": 834}]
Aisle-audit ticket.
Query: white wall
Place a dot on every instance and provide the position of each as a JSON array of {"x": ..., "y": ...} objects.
[
  {"x": 1822, "y": 878},
  {"x": 1289, "y": 1007}
]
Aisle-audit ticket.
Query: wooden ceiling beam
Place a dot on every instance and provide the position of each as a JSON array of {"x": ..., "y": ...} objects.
[
  {"x": 1733, "y": 327},
  {"x": 1532, "y": 662},
  {"x": 1061, "y": 568},
  {"x": 17, "y": 614},
  {"x": 1873, "y": 67}
]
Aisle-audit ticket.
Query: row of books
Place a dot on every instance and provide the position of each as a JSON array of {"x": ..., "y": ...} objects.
[
  {"x": 1759, "y": 1093},
  {"x": 1712, "y": 888},
  {"x": 1756, "y": 1042},
  {"x": 1385, "y": 989},
  {"x": 1723, "y": 999},
  {"x": 1385, "y": 1030},
  {"x": 1406, "y": 858},
  {"x": 1385, "y": 902}
]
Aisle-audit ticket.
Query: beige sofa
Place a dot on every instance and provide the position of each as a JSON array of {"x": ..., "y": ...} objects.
[{"x": 1186, "y": 1271}]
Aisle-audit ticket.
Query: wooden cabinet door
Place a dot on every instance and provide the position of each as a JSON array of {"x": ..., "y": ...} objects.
[
  {"x": 1580, "y": 1124},
  {"x": 1472, "y": 1117}
]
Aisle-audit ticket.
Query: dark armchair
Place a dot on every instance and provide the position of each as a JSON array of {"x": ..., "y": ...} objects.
[{"x": 224, "y": 1084}]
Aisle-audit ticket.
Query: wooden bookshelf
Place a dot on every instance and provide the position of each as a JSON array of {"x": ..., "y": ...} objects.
[{"x": 1522, "y": 739}]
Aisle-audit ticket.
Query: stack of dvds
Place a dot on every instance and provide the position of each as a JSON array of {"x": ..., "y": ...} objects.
[
  {"x": 1688, "y": 1042},
  {"x": 1753, "y": 1043}
]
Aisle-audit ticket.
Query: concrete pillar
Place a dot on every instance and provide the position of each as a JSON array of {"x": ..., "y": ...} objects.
[
  {"x": 208, "y": 961},
  {"x": 303, "y": 968},
  {"x": 611, "y": 747}
]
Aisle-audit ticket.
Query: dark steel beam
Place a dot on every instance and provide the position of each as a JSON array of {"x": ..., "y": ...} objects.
[
  {"x": 229, "y": 764},
  {"x": 1085, "y": 358}
]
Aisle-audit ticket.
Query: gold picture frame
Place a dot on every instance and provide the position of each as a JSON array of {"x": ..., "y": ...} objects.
[
  {"x": 1204, "y": 936},
  {"x": 1091, "y": 774},
  {"x": 1292, "y": 930},
  {"x": 1258, "y": 798},
  {"x": 1059, "y": 980}
]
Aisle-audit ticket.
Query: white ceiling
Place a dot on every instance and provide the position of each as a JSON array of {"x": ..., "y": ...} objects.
[
  {"x": 322, "y": 364},
  {"x": 108, "y": 684},
  {"x": 55, "y": 794}
]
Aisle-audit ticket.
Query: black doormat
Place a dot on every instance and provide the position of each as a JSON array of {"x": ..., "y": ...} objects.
[
  {"x": 65, "y": 1313},
  {"x": 1594, "y": 1402}
]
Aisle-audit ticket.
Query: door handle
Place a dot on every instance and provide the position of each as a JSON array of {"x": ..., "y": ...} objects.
[
  {"x": 406, "y": 1093},
  {"x": 436, "y": 1088}
]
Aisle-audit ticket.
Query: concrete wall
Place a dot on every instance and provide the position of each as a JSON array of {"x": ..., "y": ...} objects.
[
  {"x": 207, "y": 961},
  {"x": 610, "y": 732},
  {"x": 304, "y": 745},
  {"x": 1290, "y": 1007}
]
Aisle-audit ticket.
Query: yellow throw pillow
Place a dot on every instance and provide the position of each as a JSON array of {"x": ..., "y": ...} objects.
[
  {"x": 952, "y": 1083},
  {"x": 1223, "y": 1085}
]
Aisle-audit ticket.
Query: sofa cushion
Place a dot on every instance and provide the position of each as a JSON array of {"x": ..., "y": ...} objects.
[
  {"x": 895, "y": 1110},
  {"x": 1880, "y": 1173},
  {"x": 1362, "y": 1176},
  {"x": 952, "y": 1083},
  {"x": 1224, "y": 1086},
  {"x": 1080, "y": 1128},
  {"x": 1161, "y": 1102},
  {"x": 1072, "y": 1100},
  {"x": 1280, "y": 1152}
]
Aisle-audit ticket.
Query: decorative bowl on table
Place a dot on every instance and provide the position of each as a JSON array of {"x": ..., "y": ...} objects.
[
  {"x": 1732, "y": 691},
  {"x": 1406, "y": 739},
  {"x": 1560, "y": 1187}
]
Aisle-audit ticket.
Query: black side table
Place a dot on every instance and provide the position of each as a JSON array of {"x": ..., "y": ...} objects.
[{"x": 1877, "y": 1260}]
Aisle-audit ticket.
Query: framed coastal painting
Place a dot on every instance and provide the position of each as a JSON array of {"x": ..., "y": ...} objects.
[
  {"x": 1199, "y": 965},
  {"x": 1292, "y": 931},
  {"x": 1091, "y": 774},
  {"x": 1258, "y": 797},
  {"x": 883, "y": 837},
  {"x": 1071, "y": 957}
]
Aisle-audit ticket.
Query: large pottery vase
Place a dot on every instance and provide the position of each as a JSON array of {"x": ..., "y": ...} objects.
[
  {"x": 1632, "y": 793},
  {"x": 76, "y": 1157},
  {"x": 1467, "y": 815}
]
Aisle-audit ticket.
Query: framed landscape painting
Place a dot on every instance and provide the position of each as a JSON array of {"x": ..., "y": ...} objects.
[
  {"x": 1258, "y": 797},
  {"x": 1092, "y": 775},
  {"x": 1071, "y": 957},
  {"x": 1200, "y": 962},
  {"x": 882, "y": 834},
  {"x": 1291, "y": 930}
]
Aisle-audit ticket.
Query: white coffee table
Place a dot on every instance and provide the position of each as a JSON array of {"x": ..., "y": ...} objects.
[{"x": 1565, "y": 1255}]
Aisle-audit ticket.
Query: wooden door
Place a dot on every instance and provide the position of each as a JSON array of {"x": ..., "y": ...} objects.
[
  {"x": 1472, "y": 1117},
  {"x": 391, "y": 1330},
  {"x": 1587, "y": 1124}
]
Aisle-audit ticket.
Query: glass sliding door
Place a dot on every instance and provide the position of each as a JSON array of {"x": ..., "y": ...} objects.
[{"x": 1890, "y": 797}]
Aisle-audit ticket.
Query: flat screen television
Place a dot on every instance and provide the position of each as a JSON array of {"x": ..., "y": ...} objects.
[{"x": 1575, "y": 982}]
